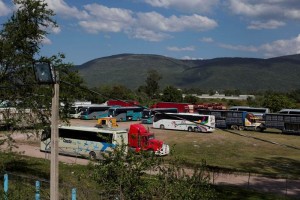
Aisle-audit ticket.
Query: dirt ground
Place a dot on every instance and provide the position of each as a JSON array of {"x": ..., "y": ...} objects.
[{"x": 31, "y": 148}]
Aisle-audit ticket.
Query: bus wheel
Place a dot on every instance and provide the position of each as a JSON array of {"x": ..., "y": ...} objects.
[
  {"x": 92, "y": 155},
  {"x": 190, "y": 129},
  {"x": 196, "y": 129},
  {"x": 234, "y": 127},
  {"x": 162, "y": 126},
  {"x": 241, "y": 128}
]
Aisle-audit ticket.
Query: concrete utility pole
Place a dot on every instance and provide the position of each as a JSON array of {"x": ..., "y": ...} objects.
[
  {"x": 46, "y": 74},
  {"x": 54, "y": 173}
]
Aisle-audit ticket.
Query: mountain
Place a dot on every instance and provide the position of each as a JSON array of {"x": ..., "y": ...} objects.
[{"x": 246, "y": 74}]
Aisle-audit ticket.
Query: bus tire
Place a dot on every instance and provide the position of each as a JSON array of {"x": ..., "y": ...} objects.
[
  {"x": 241, "y": 128},
  {"x": 196, "y": 129},
  {"x": 162, "y": 126},
  {"x": 92, "y": 155},
  {"x": 234, "y": 127},
  {"x": 190, "y": 129}
]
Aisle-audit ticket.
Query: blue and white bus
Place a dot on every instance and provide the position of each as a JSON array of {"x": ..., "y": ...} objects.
[
  {"x": 84, "y": 141},
  {"x": 126, "y": 113},
  {"x": 148, "y": 114},
  {"x": 94, "y": 111}
]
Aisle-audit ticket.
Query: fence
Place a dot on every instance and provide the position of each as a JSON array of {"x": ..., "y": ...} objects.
[
  {"x": 17, "y": 186},
  {"x": 283, "y": 186}
]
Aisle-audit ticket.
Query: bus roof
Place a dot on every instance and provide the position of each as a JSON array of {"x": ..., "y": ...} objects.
[
  {"x": 292, "y": 111},
  {"x": 94, "y": 129},
  {"x": 188, "y": 114}
]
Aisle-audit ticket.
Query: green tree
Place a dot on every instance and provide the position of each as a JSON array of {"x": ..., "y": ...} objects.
[
  {"x": 277, "y": 101},
  {"x": 152, "y": 85},
  {"x": 295, "y": 94},
  {"x": 191, "y": 99},
  {"x": 20, "y": 42},
  {"x": 172, "y": 94}
]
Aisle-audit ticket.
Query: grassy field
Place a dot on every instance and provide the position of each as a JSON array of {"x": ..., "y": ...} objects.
[{"x": 226, "y": 150}]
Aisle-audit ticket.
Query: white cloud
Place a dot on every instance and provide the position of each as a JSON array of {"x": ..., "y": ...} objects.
[
  {"x": 239, "y": 47},
  {"x": 148, "y": 35},
  {"x": 206, "y": 39},
  {"x": 62, "y": 8},
  {"x": 266, "y": 9},
  {"x": 104, "y": 19},
  {"x": 190, "y": 48},
  {"x": 46, "y": 41},
  {"x": 156, "y": 21},
  {"x": 190, "y": 58},
  {"x": 150, "y": 26},
  {"x": 186, "y": 5},
  {"x": 271, "y": 24},
  {"x": 282, "y": 47},
  {"x": 273, "y": 49},
  {"x": 4, "y": 10}
]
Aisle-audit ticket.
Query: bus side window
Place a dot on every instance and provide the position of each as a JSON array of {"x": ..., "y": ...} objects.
[{"x": 45, "y": 134}]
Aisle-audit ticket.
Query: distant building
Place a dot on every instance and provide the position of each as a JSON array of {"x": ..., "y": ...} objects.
[{"x": 222, "y": 96}]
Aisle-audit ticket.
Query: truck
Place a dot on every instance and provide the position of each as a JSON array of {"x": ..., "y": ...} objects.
[
  {"x": 181, "y": 107},
  {"x": 237, "y": 120},
  {"x": 287, "y": 123},
  {"x": 109, "y": 122},
  {"x": 140, "y": 139}
]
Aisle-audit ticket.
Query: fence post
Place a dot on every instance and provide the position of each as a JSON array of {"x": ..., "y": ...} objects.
[
  {"x": 37, "y": 190},
  {"x": 5, "y": 186},
  {"x": 248, "y": 180},
  {"x": 74, "y": 194}
]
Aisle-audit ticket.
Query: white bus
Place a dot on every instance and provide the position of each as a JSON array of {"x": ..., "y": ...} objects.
[
  {"x": 84, "y": 141},
  {"x": 184, "y": 121},
  {"x": 76, "y": 108},
  {"x": 290, "y": 111}
]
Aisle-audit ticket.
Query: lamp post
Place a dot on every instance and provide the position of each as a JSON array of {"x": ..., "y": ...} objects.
[{"x": 45, "y": 74}]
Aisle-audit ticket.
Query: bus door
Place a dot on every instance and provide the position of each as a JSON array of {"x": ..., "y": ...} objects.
[{"x": 130, "y": 115}]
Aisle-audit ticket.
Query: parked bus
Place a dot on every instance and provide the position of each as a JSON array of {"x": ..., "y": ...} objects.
[
  {"x": 94, "y": 111},
  {"x": 83, "y": 141},
  {"x": 126, "y": 113},
  {"x": 258, "y": 112},
  {"x": 184, "y": 121},
  {"x": 76, "y": 108},
  {"x": 290, "y": 111},
  {"x": 148, "y": 114}
]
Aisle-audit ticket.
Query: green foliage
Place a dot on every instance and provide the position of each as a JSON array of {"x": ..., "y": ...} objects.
[
  {"x": 152, "y": 86},
  {"x": 20, "y": 42},
  {"x": 191, "y": 99},
  {"x": 277, "y": 101},
  {"x": 128, "y": 174},
  {"x": 107, "y": 92},
  {"x": 172, "y": 94}
]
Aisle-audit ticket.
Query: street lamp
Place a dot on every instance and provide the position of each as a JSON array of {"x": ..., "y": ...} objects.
[{"x": 45, "y": 74}]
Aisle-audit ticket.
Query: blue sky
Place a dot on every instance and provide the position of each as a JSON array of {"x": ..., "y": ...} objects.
[{"x": 183, "y": 29}]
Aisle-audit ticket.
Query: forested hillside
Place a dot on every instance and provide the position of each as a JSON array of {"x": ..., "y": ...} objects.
[{"x": 244, "y": 74}]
